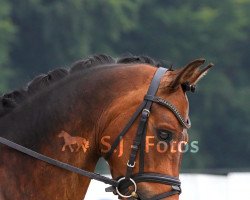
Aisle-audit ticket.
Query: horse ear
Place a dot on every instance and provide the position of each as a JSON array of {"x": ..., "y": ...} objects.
[{"x": 190, "y": 74}]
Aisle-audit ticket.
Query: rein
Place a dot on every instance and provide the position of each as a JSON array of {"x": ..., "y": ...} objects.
[
  {"x": 120, "y": 186},
  {"x": 58, "y": 163}
]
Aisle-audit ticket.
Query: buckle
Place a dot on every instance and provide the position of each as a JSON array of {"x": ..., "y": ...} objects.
[
  {"x": 132, "y": 194},
  {"x": 176, "y": 188},
  {"x": 129, "y": 165},
  {"x": 146, "y": 111},
  {"x": 134, "y": 146}
]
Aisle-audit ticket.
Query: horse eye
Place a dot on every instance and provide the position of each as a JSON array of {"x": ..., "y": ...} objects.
[{"x": 165, "y": 135}]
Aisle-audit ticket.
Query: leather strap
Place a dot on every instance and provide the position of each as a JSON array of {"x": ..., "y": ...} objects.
[
  {"x": 171, "y": 107},
  {"x": 141, "y": 131},
  {"x": 164, "y": 195},
  {"x": 153, "y": 178},
  {"x": 125, "y": 130},
  {"x": 150, "y": 177},
  {"x": 136, "y": 143},
  {"x": 156, "y": 81},
  {"x": 58, "y": 163}
]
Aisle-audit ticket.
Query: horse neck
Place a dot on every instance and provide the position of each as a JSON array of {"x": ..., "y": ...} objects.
[
  {"x": 74, "y": 106},
  {"x": 68, "y": 106}
]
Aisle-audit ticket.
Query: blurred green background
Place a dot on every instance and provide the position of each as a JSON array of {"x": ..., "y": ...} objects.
[{"x": 39, "y": 35}]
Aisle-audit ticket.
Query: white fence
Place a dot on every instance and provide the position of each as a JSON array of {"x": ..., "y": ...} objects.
[{"x": 195, "y": 187}]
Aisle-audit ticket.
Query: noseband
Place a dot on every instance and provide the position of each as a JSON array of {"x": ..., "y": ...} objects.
[{"x": 120, "y": 186}]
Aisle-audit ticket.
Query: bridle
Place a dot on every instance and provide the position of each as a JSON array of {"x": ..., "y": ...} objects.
[
  {"x": 139, "y": 145},
  {"x": 120, "y": 186}
]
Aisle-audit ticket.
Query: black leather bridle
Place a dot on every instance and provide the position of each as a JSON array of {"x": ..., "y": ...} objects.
[
  {"x": 139, "y": 145},
  {"x": 120, "y": 186}
]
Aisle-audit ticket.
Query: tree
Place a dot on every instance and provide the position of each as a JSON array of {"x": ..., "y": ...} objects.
[
  {"x": 51, "y": 33},
  {"x": 54, "y": 33},
  {"x": 7, "y": 31}
]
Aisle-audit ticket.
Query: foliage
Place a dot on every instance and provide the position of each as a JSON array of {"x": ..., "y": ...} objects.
[
  {"x": 50, "y": 33},
  {"x": 53, "y": 33},
  {"x": 7, "y": 31}
]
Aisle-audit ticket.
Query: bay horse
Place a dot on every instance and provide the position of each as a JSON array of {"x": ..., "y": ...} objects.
[{"x": 91, "y": 101}]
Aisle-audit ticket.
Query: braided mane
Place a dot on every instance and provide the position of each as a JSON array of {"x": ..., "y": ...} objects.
[{"x": 13, "y": 99}]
